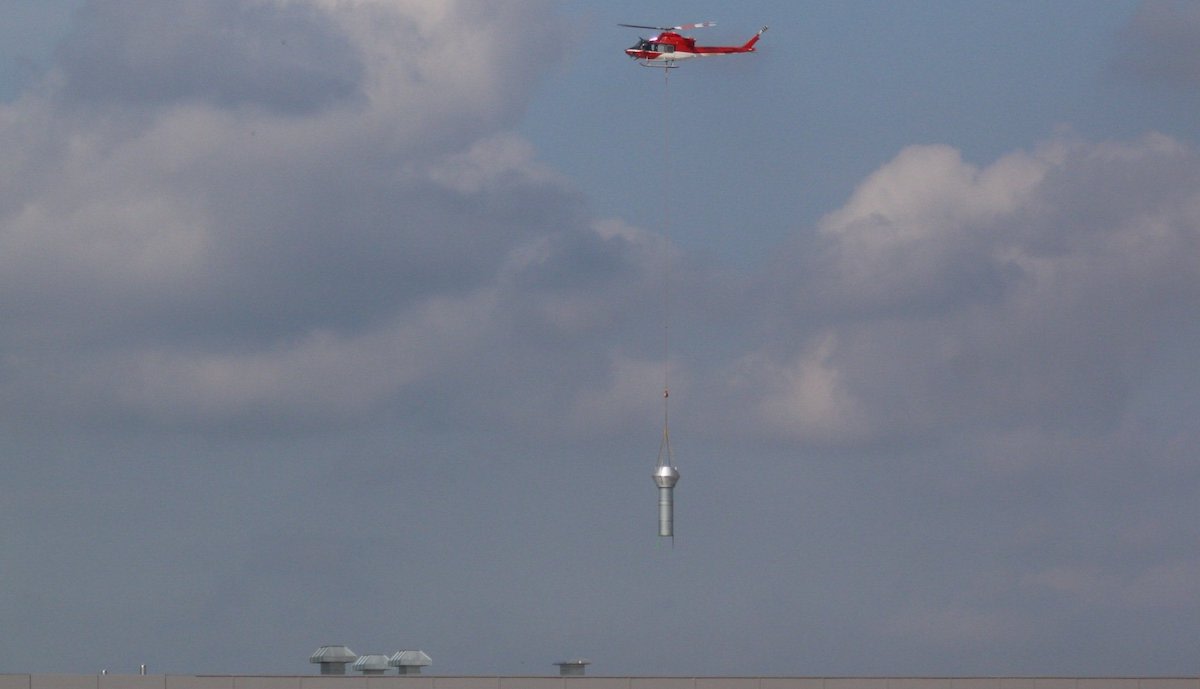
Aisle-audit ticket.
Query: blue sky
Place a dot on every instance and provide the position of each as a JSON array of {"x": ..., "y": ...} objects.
[
  {"x": 30, "y": 32},
  {"x": 320, "y": 328},
  {"x": 987, "y": 78}
]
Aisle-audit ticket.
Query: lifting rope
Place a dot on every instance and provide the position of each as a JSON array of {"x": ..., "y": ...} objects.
[
  {"x": 665, "y": 456},
  {"x": 665, "y": 473}
]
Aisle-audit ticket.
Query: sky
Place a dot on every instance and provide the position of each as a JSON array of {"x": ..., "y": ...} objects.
[{"x": 342, "y": 322}]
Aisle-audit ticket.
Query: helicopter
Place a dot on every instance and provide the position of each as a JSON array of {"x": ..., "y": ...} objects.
[{"x": 664, "y": 49}]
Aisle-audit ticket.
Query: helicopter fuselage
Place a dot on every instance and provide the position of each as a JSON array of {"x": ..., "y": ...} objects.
[{"x": 668, "y": 47}]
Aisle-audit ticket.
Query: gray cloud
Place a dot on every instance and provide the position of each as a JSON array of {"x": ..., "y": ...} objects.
[
  {"x": 338, "y": 358},
  {"x": 979, "y": 344},
  {"x": 1030, "y": 292},
  {"x": 287, "y": 58},
  {"x": 1161, "y": 44},
  {"x": 189, "y": 245}
]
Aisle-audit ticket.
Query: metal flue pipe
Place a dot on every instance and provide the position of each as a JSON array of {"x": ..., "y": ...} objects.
[{"x": 666, "y": 477}]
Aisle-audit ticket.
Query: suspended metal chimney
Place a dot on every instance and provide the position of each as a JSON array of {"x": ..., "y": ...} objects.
[
  {"x": 572, "y": 668},
  {"x": 666, "y": 477},
  {"x": 333, "y": 659},
  {"x": 410, "y": 662},
  {"x": 372, "y": 664}
]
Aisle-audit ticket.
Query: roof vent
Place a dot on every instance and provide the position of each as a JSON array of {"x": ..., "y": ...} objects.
[
  {"x": 572, "y": 668},
  {"x": 372, "y": 664},
  {"x": 410, "y": 662},
  {"x": 333, "y": 659}
]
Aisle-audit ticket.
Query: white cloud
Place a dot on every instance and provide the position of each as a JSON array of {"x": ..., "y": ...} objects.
[
  {"x": 929, "y": 191},
  {"x": 979, "y": 373},
  {"x": 202, "y": 239},
  {"x": 272, "y": 234},
  {"x": 489, "y": 162},
  {"x": 805, "y": 399},
  {"x": 927, "y": 225},
  {"x": 1025, "y": 294}
]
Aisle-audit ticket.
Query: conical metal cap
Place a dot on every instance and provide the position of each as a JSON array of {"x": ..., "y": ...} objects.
[{"x": 666, "y": 477}]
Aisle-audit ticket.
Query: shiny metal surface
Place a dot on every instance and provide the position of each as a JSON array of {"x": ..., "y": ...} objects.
[
  {"x": 666, "y": 477},
  {"x": 666, "y": 512}
]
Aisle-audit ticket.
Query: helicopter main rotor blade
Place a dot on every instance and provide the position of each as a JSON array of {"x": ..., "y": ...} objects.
[{"x": 684, "y": 27}]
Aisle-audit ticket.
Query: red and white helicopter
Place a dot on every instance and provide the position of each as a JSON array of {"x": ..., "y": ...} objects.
[{"x": 664, "y": 49}]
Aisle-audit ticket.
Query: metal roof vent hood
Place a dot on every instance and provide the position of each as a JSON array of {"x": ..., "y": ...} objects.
[
  {"x": 333, "y": 659},
  {"x": 410, "y": 662},
  {"x": 372, "y": 664},
  {"x": 572, "y": 668}
]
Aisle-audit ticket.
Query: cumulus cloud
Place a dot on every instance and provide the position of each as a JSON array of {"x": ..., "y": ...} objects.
[
  {"x": 1005, "y": 339},
  {"x": 272, "y": 229},
  {"x": 226, "y": 254},
  {"x": 1028, "y": 293},
  {"x": 806, "y": 397},
  {"x": 248, "y": 205},
  {"x": 291, "y": 218}
]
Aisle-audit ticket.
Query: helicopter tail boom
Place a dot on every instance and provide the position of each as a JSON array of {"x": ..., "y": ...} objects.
[{"x": 754, "y": 39}]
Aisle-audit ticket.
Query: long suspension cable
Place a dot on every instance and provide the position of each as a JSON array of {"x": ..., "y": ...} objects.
[{"x": 665, "y": 455}]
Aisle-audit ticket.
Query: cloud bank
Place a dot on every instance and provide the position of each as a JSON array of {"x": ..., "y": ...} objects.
[{"x": 241, "y": 239}]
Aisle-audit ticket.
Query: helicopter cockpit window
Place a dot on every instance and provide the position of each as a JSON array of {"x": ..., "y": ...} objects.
[
  {"x": 662, "y": 47},
  {"x": 642, "y": 44}
]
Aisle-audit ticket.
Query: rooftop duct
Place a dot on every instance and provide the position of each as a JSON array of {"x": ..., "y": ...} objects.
[
  {"x": 410, "y": 662},
  {"x": 372, "y": 664},
  {"x": 333, "y": 659},
  {"x": 572, "y": 668}
]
